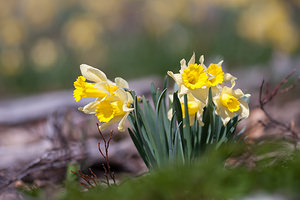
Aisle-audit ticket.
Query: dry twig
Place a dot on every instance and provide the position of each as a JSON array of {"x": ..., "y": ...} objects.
[
  {"x": 107, "y": 169},
  {"x": 268, "y": 96}
]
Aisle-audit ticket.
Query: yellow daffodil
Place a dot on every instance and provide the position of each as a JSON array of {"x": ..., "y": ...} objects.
[
  {"x": 116, "y": 111},
  {"x": 99, "y": 88},
  {"x": 197, "y": 78},
  {"x": 229, "y": 102},
  {"x": 217, "y": 75},
  {"x": 191, "y": 78},
  {"x": 195, "y": 108},
  {"x": 112, "y": 102}
]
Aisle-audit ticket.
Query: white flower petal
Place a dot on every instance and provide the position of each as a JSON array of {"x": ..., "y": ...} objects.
[
  {"x": 229, "y": 77},
  {"x": 182, "y": 66},
  {"x": 221, "y": 111},
  {"x": 89, "y": 108},
  {"x": 238, "y": 93},
  {"x": 121, "y": 83},
  {"x": 104, "y": 86},
  {"x": 182, "y": 90},
  {"x": 220, "y": 63},
  {"x": 201, "y": 60},
  {"x": 92, "y": 74},
  {"x": 201, "y": 94},
  {"x": 122, "y": 95},
  {"x": 244, "y": 109},
  {"x": 192, "y": 60},
  {"x": 176, "y": 77},
  {"x": 121, "y": 126}
]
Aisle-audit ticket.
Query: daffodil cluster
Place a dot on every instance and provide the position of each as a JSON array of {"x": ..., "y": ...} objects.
[
  {"x": 195, "y": 80},
  {"x": 202, "y": 112},
  {"x": 112, "y": 104}
]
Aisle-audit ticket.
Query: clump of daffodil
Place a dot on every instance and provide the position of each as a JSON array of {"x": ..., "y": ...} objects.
[
  {"x": 197, "y": 78},
  {"x": 202, "y": 112},
  {"x": 112, "y": 103}
]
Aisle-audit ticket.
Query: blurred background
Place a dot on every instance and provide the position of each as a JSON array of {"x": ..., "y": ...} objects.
[{"x": 43, "y": 42}]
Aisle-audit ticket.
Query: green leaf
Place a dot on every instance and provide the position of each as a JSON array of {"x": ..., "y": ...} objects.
[{"x": 187, "y": 130}]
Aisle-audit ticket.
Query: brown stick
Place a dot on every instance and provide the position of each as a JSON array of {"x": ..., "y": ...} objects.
[{"x": 270, "y": 95}]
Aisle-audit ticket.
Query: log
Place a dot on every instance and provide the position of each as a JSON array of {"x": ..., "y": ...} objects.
[{"x": 39, "y": 106}]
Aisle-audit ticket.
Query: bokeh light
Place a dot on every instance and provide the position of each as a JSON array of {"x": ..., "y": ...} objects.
[{"x": 51, "y": 38}]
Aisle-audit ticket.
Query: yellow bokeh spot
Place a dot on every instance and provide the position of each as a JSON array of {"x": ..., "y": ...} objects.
[
  {"x": 82, "y": 33},
  {"x": 194, "y": 76},
  {"x": 44, "y": 54},
  {"x": 230, "y": 102},
  {"x": 269, "y": 22},
  {"x": 11, "y": 32},
  {"x": 85, "y": 89},
  {"x": 40, "y": 13},
  {"x": 217, "y": 73},
  {"x": 11, "y": 61}
]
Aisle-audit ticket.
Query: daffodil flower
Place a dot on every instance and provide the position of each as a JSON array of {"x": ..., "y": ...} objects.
[
  {"x": 195, "y": 108},
  {"x": 109, "y": 112},
  {"x": 230, "y": 102},
  {"x": 95, "y": 89},
  {"x": 191, "y": 78},
  {"x": 112, "y": 103},
  {"x": 197, "y": 78}
]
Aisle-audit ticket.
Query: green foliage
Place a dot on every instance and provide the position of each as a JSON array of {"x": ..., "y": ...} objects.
[
  {"x": 161, "y": 140},
  {"x": 206, "y": 178}
]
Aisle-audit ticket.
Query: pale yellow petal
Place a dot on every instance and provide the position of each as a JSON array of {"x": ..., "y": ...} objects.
[
  {"x": 176, "y": 77},
  {"x": 170, "y": 114},
  {"x": 201, "y": 94},
  {"x": 121, "y": 83},
  {"x": 244, "y": 109},
  {"x": 121, "y": 126},
  {"x": 201, "y": 60},
  {"x": 192, "y": 60},
  {"x": 89, "y": 108},
  {"x": 182, "y": 65},
  {"x": 92, "y": 74},
  {"x": 228, "y": 77},
  {"x": 104, "y": 86},
  {"x": 238, "y": 93},
  {"x": 113, "y": 120},
  {"x": 122, "y": 95},
  {"x": 220, "y": 63},
  {"x": 224, "y": 115},
  {"x": 182, "y": 90}
]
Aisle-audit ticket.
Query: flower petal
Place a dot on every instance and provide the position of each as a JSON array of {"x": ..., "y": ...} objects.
[
  {"x": 229, "y": 77},
  {"x": 192, "y": 60},
  {"x": 201, "y": 94},
  {"x": 182, "y": 65},
  {"x": 176, "y": 77},
  {"x": 223, "y": 114},
  {"x": 244, "y": 109},
  {"x": 121, "y": 126},
  {"x": 92, "y": 74},
  {"x": 104, "y": 86},
  {"x": 121, "y": 83},
  {"x": 89, "y": 108}
]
